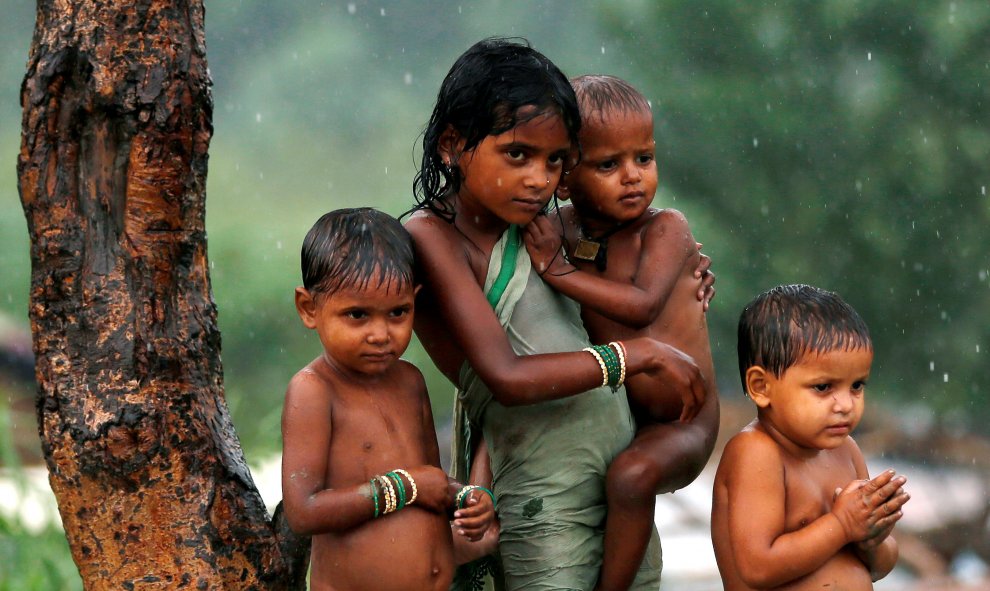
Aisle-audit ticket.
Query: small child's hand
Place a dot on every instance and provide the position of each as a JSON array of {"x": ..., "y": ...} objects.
[
  {"x": 543, "y": 242},
  {"x": 707, "y": 289},
  {"x": 476, "y": 517},
  {"x": 868, "y": 508},
  {"x": 431, "y": 488}
]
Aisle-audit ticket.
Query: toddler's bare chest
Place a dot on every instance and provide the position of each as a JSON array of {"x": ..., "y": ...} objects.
[
  {"x": 387, "y": 428},
  {"x": 810, "y": 488}
]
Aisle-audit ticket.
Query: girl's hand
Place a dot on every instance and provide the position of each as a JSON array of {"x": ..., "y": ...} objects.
[
  {"x": 476, "y": 517},
  {"x": 543, "y": 242},
  {"x": 868, "y": 509},
  {"x": 431, "y": 488},
  {"x": 703, "y": 272}
]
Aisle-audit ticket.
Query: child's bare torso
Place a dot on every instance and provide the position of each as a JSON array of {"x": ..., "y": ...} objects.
[
  {"x": 809, "y": 487},
  {"x": 377, "y": 428},
  {"x": 681, "y": 323}
]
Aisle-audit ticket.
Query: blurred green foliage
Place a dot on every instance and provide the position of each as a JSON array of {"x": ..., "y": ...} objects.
[{"x": 837, "y": 142}]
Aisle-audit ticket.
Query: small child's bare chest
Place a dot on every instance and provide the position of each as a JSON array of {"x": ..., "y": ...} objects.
[
  {"x": 810, "y": 486},
  {"x": 375, "y": 432}
]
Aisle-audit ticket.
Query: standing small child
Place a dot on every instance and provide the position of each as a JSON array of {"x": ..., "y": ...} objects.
[
  {"x": 793, "y": 505},
  {"x": 634, "y": 270},
  {"x": 360, "y": 466}
]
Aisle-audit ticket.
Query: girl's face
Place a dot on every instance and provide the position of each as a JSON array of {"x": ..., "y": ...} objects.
[{"x": 510, "y": 176}]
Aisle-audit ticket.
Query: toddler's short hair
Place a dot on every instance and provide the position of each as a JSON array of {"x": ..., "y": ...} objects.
[
  {"x": 779, "y": 326},
  {"x": 601, "y": 95},
  {"x": 351, "y": 247}
]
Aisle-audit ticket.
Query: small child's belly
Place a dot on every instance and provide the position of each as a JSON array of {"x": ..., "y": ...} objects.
[
  {"x": 410, "y": 549},
  {"x": 842, "y": 572}
]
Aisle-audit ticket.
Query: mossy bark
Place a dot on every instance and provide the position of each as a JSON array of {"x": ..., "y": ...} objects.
[{"x": 149, "y": 475}]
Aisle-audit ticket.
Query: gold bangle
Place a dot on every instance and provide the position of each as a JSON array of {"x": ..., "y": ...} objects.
[
  {"x": 620, "y": 351},
  {"x": 389, "y": 496},
  {"x": 601, "y": 364},
  {"x": 412, "y": 484}
]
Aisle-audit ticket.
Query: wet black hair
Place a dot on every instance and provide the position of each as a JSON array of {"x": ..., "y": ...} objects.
[
  {"x": 601, "y": 95},
  {"x": 351, "y": 247},
  {"x": 484, "y": 94},
  {"x": 783, "y": 324}
]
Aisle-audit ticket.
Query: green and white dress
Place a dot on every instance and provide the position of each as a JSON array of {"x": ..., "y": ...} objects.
[{"x": 549, "y": 459}]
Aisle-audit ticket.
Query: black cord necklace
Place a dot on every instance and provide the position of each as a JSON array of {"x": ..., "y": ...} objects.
[{"x": 596, "y": 249}]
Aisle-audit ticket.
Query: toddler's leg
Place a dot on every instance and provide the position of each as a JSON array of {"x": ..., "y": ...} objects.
[{"x": 631, "y": 489}]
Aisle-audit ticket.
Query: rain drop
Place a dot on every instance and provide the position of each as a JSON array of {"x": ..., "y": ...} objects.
[
  {"x": 869, "y": 56},
  {"x": 945, "y": 378},
  {"x": 257, "y": 117},
  {"x": 407, "y": 78},
  {"x": 383, "y": 12},
  {"x": 931, "y": 366},
  {"x": 756, "y": 142},
  {"x": 603, "y": 50},
  {"x": 351, "y": 8}
]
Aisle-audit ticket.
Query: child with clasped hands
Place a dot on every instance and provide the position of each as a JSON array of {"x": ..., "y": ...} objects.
[
  {"x": 360, "y": 467},
  {"x": 793, "y": 505}
]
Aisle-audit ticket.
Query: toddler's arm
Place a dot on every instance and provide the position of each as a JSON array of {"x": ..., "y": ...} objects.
[
  {"x": 310, "y": 507},
  {"x": 766, "y": 556},
  {"x": 476, "y": 527},
  {"x": 667, "y": 249}
]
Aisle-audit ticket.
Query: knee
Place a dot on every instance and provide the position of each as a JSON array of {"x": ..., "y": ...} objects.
[{"x": 633, "y": 477}]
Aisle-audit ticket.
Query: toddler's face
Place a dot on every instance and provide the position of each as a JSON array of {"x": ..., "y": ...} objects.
[
  {"x": 365, "y": 330},
  {"x": 818, "y": 401},
  {"x": 616, "y": 179}
]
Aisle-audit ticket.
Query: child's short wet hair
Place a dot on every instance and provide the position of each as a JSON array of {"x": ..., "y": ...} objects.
[
  {"x": 783, "y": 324},
  {"x": 601, "y": 95},
  {"x": 483, "y": 94},
  {"x": 350, "y": 248}
]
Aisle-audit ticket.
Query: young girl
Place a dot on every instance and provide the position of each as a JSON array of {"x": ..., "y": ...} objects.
[{"x": 504, "y": 123}]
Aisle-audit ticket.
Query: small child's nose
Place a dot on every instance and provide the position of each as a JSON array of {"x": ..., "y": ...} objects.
[
  {"x": 843, "y": 401},
  {"x": 378, "y": 333},
  {"x": 632, "y": 173}
]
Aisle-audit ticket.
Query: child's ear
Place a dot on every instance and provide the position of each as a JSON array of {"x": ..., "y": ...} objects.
[
  {"x": 758, "y": 385},
  {"x": 563, "y": 190},
  {"x": 450, "y": 145},
  {"x": 306, "y": 307}
]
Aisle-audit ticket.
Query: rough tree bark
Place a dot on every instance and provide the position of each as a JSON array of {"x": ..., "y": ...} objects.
[{"x": 149, "y": 475}]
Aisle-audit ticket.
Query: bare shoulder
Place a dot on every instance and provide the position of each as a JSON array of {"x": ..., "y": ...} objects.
[
  {"x": 409, "y": 378},
  {"x": 670, "y": 223},
  {"x": 424, "y": 225},
  {"x": 311, "y": 386},
  {"x": 750, "y": 449}
]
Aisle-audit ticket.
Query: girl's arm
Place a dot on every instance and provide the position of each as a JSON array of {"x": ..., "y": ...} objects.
[
  {"x": 668, "y": 247},
  {"x": 515, "y": 380}
]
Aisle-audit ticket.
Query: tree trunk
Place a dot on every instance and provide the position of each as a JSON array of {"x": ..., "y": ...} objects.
[{"x": 149, "y": 475}]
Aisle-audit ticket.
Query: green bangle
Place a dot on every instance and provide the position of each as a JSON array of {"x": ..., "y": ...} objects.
[
  {"x": 374, "y": 494},
  {"x": 612, "y": 366},
  {"x": 400, "y": 487},
  {"x": 466, "y": 490}
]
